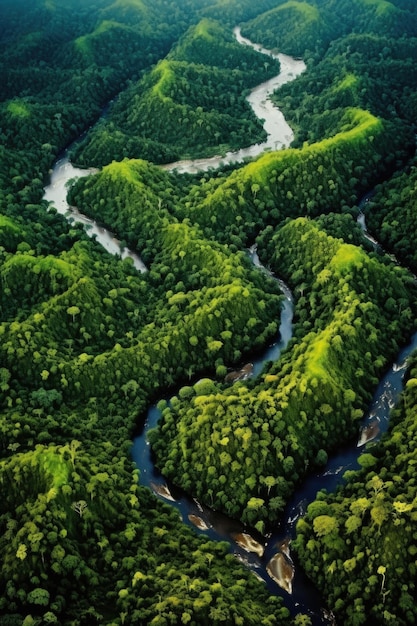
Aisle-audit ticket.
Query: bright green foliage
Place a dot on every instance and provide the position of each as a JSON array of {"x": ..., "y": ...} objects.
[
  {"x": 308, "y": 401},
  {"x": 59, "y": 515},
  {"x": 86, "y": 341},
  {"x": 18, "y": 109},
  {"x": 297, "y": 27},
  {"x": 10, "y": 233},
  {"x": 292, "y": 27},
  {"x": 373, "y": 64},
  {"x": 191, "y": 103},
  {"x": 286, "y": 184},
  {"x": 369, "y": 560},
  {"x": 76, "y": 322}
]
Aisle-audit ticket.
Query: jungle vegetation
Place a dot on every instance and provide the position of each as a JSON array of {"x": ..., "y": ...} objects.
[{"x": 88, "y": 342}]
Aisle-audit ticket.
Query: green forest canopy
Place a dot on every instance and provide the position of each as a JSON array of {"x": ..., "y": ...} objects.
[{"x": 87, "y": 342}]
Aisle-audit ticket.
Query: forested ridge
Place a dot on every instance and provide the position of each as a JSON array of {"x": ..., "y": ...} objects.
[
  {"x": 88, "y": 342},
  {"x": 188, "y": 104}
]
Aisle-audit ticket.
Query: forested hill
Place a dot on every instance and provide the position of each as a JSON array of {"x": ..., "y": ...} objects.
[
  {"x": 191, "y": 103},
  {"x": 88, "y": 342}
]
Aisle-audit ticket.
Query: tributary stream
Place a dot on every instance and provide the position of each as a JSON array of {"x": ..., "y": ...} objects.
[{"x": 269, "y": 558}]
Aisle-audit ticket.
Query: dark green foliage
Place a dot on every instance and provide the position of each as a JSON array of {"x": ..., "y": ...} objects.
[
  {"x": 208, "y": 287},
  {"x": 303, "y": 28},
  {"x": 72, "y": 518},
  {"x": 292, "y": 27},
  {"x": 392, "y": 212},
  {"x": 81, "y": 543},
  {"x": 307, "y": 181},
  {"x": 60, "y": 65},
  {"x": 86, "y": 341},
  {"x": 308, "y": 401},
  {"x": 374, "y": 73},
  {"x": 359, "y": 544},
  {"x": 233, "y": 12},
  {"x": 191, "y": 104},
  {"x": 342, "y": 226}
]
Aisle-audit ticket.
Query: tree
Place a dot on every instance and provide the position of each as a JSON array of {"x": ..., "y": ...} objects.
[
  {"x": 352, "y": 523},
  {"x": 72, "y": 449},
  {"x": 79, "y": 507},
  {"x": 21, "y": 552},
  {"x": 4, "y": 379},
  {"x": 302, "y": 620},
  {"x": 255, "y": 503},
  {"x": 324, "y": 525},
  {"x": 380, "y": 514},
  {"x": 269, "y": 481},
  {"x": 73, "y": 311},
  {"x": 39, "y": 596}
]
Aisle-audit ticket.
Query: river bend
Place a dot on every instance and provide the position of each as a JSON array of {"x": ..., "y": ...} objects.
[
  {"x": 56, "y": 194},
  {"x": 255, "y": 554},
  {"x": 279, "y": 132}
]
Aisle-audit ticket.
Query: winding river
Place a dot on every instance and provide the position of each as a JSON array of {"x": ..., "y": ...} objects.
[
  {"x": 270, "y": 560},
  {"x": 56, "y": 193},
  {"x": 279, "y": 133}
]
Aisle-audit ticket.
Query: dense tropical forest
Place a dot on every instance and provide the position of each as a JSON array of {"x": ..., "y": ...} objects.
[{"x": 88, "y": 342}]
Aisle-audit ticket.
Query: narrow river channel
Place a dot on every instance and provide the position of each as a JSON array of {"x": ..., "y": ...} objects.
[
  {"x": 56, "y": 193},
  {"x": 265, "y": 556},
  {"x": 279, "y": 132},
  {"x": 258, "y": 554}
]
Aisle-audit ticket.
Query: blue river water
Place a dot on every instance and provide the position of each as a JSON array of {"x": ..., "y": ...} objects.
[{"x": 304, "y": 597}]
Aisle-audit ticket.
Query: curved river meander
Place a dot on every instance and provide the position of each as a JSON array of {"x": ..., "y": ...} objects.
[{"x": 264, "y": 557}]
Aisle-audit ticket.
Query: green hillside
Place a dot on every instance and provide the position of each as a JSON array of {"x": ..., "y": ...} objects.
[
  {"x": 302, "y": 406},
  {"x": 191, "y": 104},
  {"x": 88, "y": 342}
]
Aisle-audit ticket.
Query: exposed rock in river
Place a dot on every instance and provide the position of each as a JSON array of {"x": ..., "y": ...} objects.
[
  {"x": 241, "y": 374},
  {"x": 368, "y": 432},
  {"x": 284, "y": 547},
  {"x": 198, "y": 522},
  {"x": 163, "y": 491},
  {"x": 248, "y": 543},
  {"x": 281, "y": 569}
]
